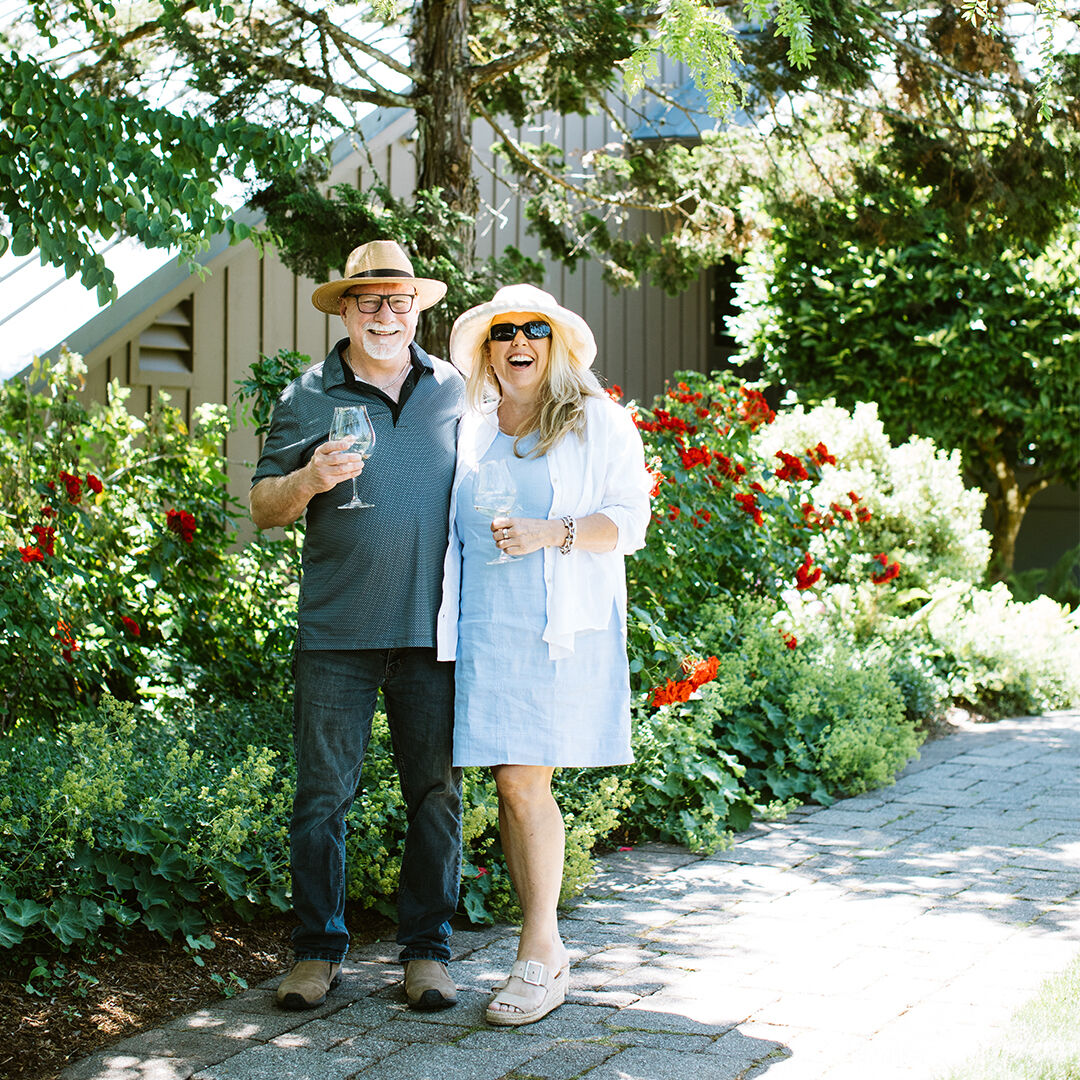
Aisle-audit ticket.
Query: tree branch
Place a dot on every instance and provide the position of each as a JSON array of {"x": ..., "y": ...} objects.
[
  {"x": 582, "y": 193},
  {"x": 340, "y": 37}
]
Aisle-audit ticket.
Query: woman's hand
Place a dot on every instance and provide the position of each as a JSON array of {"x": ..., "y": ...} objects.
[{"x": 522, "y": 536}]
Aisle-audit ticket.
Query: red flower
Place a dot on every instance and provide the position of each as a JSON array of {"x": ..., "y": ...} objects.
[
  {"x": 754, "y": 409},
  {"x": 792, "y": 467},
  {"x": 131, "y": 626},
  {"x": 31, "y": 554},
  {"x": 701, "y": 518},
  {"x": 74, "y": 487},
  {"x": 481, "y": 871},
  {"x": 843, "y": 511},
  {"x": 675, "y": 512},
  {"x": 695, "y": 455},
  {"x": 70, "y": 645},
  {"x": 94, "y": 484},
  {"x": 790, "y": 640},
  {"x": 853, "y": 497},
  {"x": 726, "y": 467},
  {"x": 888, "y": 572},
  {"x": 664, "y": 421},
  {"x": 820, "y": 455},
  {"x": 699, "y": 672},
  {"x": 46, "y": 538},
  {"x": 48, "y": 512},
  {"x": 863, "y": 514},
  {"x": 807, "y": 575},
  {"x": 702, "y": 412},
  {"x": 182, "y": 523},
  {"x": 748, "y": 501}
]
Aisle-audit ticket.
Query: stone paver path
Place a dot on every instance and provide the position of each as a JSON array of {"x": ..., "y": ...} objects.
[{"x": 883, "y": 937}]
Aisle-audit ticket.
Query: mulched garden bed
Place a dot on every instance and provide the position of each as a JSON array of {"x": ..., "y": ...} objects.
[{"x": 150, "y": 982}]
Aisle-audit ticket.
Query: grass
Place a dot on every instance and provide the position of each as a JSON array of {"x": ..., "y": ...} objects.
[{"x": 1041, "y": 1041}]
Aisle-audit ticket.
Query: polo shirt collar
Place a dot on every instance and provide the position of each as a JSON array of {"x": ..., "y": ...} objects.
[{"x": 333, "y": 374}]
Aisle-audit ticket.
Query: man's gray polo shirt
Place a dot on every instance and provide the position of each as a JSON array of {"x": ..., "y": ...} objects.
[{"x": 372, "y": 578}]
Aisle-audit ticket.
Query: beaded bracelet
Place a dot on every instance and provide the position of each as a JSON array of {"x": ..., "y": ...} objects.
[{"x": 571, "y": 533}]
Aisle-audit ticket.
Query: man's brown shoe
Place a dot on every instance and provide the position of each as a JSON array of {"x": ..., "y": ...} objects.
[
  {"x": 428, "y": 985},
  {"x": 307, "y": 984}
]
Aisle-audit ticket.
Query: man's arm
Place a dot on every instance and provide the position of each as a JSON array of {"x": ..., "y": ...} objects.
[{"x": 281, "y": 500}]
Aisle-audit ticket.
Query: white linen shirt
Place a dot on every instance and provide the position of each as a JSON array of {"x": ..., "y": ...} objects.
[{"x": 602, "y": 473}]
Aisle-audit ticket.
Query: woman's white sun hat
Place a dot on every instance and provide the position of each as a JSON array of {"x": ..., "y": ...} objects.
[
  {"x": 380, "y": 262},
  {"x": 471, "y": 327}
]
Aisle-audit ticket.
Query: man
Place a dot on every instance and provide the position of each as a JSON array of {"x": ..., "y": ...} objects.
[{"x": 368, "y": 600}]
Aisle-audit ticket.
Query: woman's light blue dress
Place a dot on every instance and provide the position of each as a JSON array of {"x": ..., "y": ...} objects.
[{"x": 514, "y": 705}]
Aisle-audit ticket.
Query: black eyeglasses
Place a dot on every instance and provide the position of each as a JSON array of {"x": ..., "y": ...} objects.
[
  {"x": 369, "y": 303},
  {"x": 506, "y": 331}
]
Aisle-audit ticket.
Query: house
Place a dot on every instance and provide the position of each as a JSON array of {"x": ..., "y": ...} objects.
[{"x": 197, "y": 337}]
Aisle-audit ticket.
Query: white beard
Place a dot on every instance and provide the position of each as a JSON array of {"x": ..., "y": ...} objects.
[{"x": 383, "y": 348}]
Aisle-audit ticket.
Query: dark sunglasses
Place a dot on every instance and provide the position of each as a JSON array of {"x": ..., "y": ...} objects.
[{"x": 506, "y": 331}]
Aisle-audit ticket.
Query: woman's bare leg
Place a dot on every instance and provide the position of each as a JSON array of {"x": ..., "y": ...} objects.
[{"x": 533, "y": 840}]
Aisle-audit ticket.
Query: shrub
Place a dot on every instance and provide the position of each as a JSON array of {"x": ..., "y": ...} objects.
[
  {"x": 120, "y": 820},
  {"x": 912, "y": 496},
  {"x": 117, "y": 551},
  {"x": 1002, "y": 656}
]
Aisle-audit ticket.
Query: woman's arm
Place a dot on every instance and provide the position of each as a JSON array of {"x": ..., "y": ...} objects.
[{"x": 597, "y": 532}]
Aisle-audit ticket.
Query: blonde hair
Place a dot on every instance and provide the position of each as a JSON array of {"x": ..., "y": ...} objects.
[{"x": 561, "y": 407}]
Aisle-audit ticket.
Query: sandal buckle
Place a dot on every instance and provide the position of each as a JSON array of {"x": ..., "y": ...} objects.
[{"x": 533, "y": 973}]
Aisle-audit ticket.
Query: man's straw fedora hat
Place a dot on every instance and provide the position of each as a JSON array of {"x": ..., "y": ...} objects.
[{"x": 380, "y": 262}]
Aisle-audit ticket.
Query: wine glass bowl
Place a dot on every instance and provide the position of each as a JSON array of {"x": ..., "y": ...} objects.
[
  {"x": 494, "y": 494},
  {"x": 352, "y": 422}
]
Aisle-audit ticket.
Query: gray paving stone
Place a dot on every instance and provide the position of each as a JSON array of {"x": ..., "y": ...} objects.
[
  {"x": 449, "y": 1063},
  {"x": 568, "y": 1059},
  {"x": 236, "y": 1025},
  {"x": 663, "y": 1040},
  {"x": 160, "y": 1054},
  {"x": 324, "y": 1034},
  {"x": 368, "y": 1013},
  {"x": 661, "y": 1014},
  {"x": 277, "y": 1062},
  {"x": 575, "y": 1022},
  {"x": 644, "y": 1063}
]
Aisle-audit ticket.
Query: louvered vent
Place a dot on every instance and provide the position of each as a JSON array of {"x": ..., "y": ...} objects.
[{"x": 165, "y": 345}]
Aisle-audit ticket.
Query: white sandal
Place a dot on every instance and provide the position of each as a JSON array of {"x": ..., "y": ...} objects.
[{"x": 525, "y": 1009}]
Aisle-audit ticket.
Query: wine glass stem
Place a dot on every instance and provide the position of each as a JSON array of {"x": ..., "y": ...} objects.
[{"x": 355, "y": 493}]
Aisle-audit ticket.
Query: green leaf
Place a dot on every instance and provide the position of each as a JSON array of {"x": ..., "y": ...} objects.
[
  {"x": 11, "y": 934},
  {"x": 25, "y": 912}
]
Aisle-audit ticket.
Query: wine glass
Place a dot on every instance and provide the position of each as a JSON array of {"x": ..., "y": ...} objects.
[
  {"x": 493, "y": 495},
  {"x": 353, "y": 422}
]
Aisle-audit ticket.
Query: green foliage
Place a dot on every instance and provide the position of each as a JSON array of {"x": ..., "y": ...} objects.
[
  {"x": 119, "y": 566},
  {"x": 257, "y": 394},
  {"x": 316, "y": 232},
  {"x": 77, "y": 165},
  {"x": 104, "y": 829},
  {"x": 1061, "y": 582},
  {"x": 976, "y": 349},
  {"x": 1004, "y": 657},
  {"x": 810, "y": 722},
  {"x": 730, "y": 515},
  {"x": 916, "y": 505}
]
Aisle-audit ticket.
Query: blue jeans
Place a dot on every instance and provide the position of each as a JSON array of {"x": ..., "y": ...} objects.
[{"x": 333, "y": 707}]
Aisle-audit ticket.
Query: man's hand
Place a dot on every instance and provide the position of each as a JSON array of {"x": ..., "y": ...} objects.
[
  {"x": 281, "y": 500},
  {"x": 331, "y": 464}
]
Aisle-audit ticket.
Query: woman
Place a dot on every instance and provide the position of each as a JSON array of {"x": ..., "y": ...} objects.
[{"x": 540, "y": 642}]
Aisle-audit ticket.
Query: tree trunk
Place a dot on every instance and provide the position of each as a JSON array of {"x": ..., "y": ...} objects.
[
  {"x": 1008, "y": 506},
  {"x": 440, "y": 59}
]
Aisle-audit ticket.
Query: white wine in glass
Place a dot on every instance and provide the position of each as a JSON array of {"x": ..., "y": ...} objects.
[
  {"x": 493, "y": 495},
  {"x": 353, "y": 422}
]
